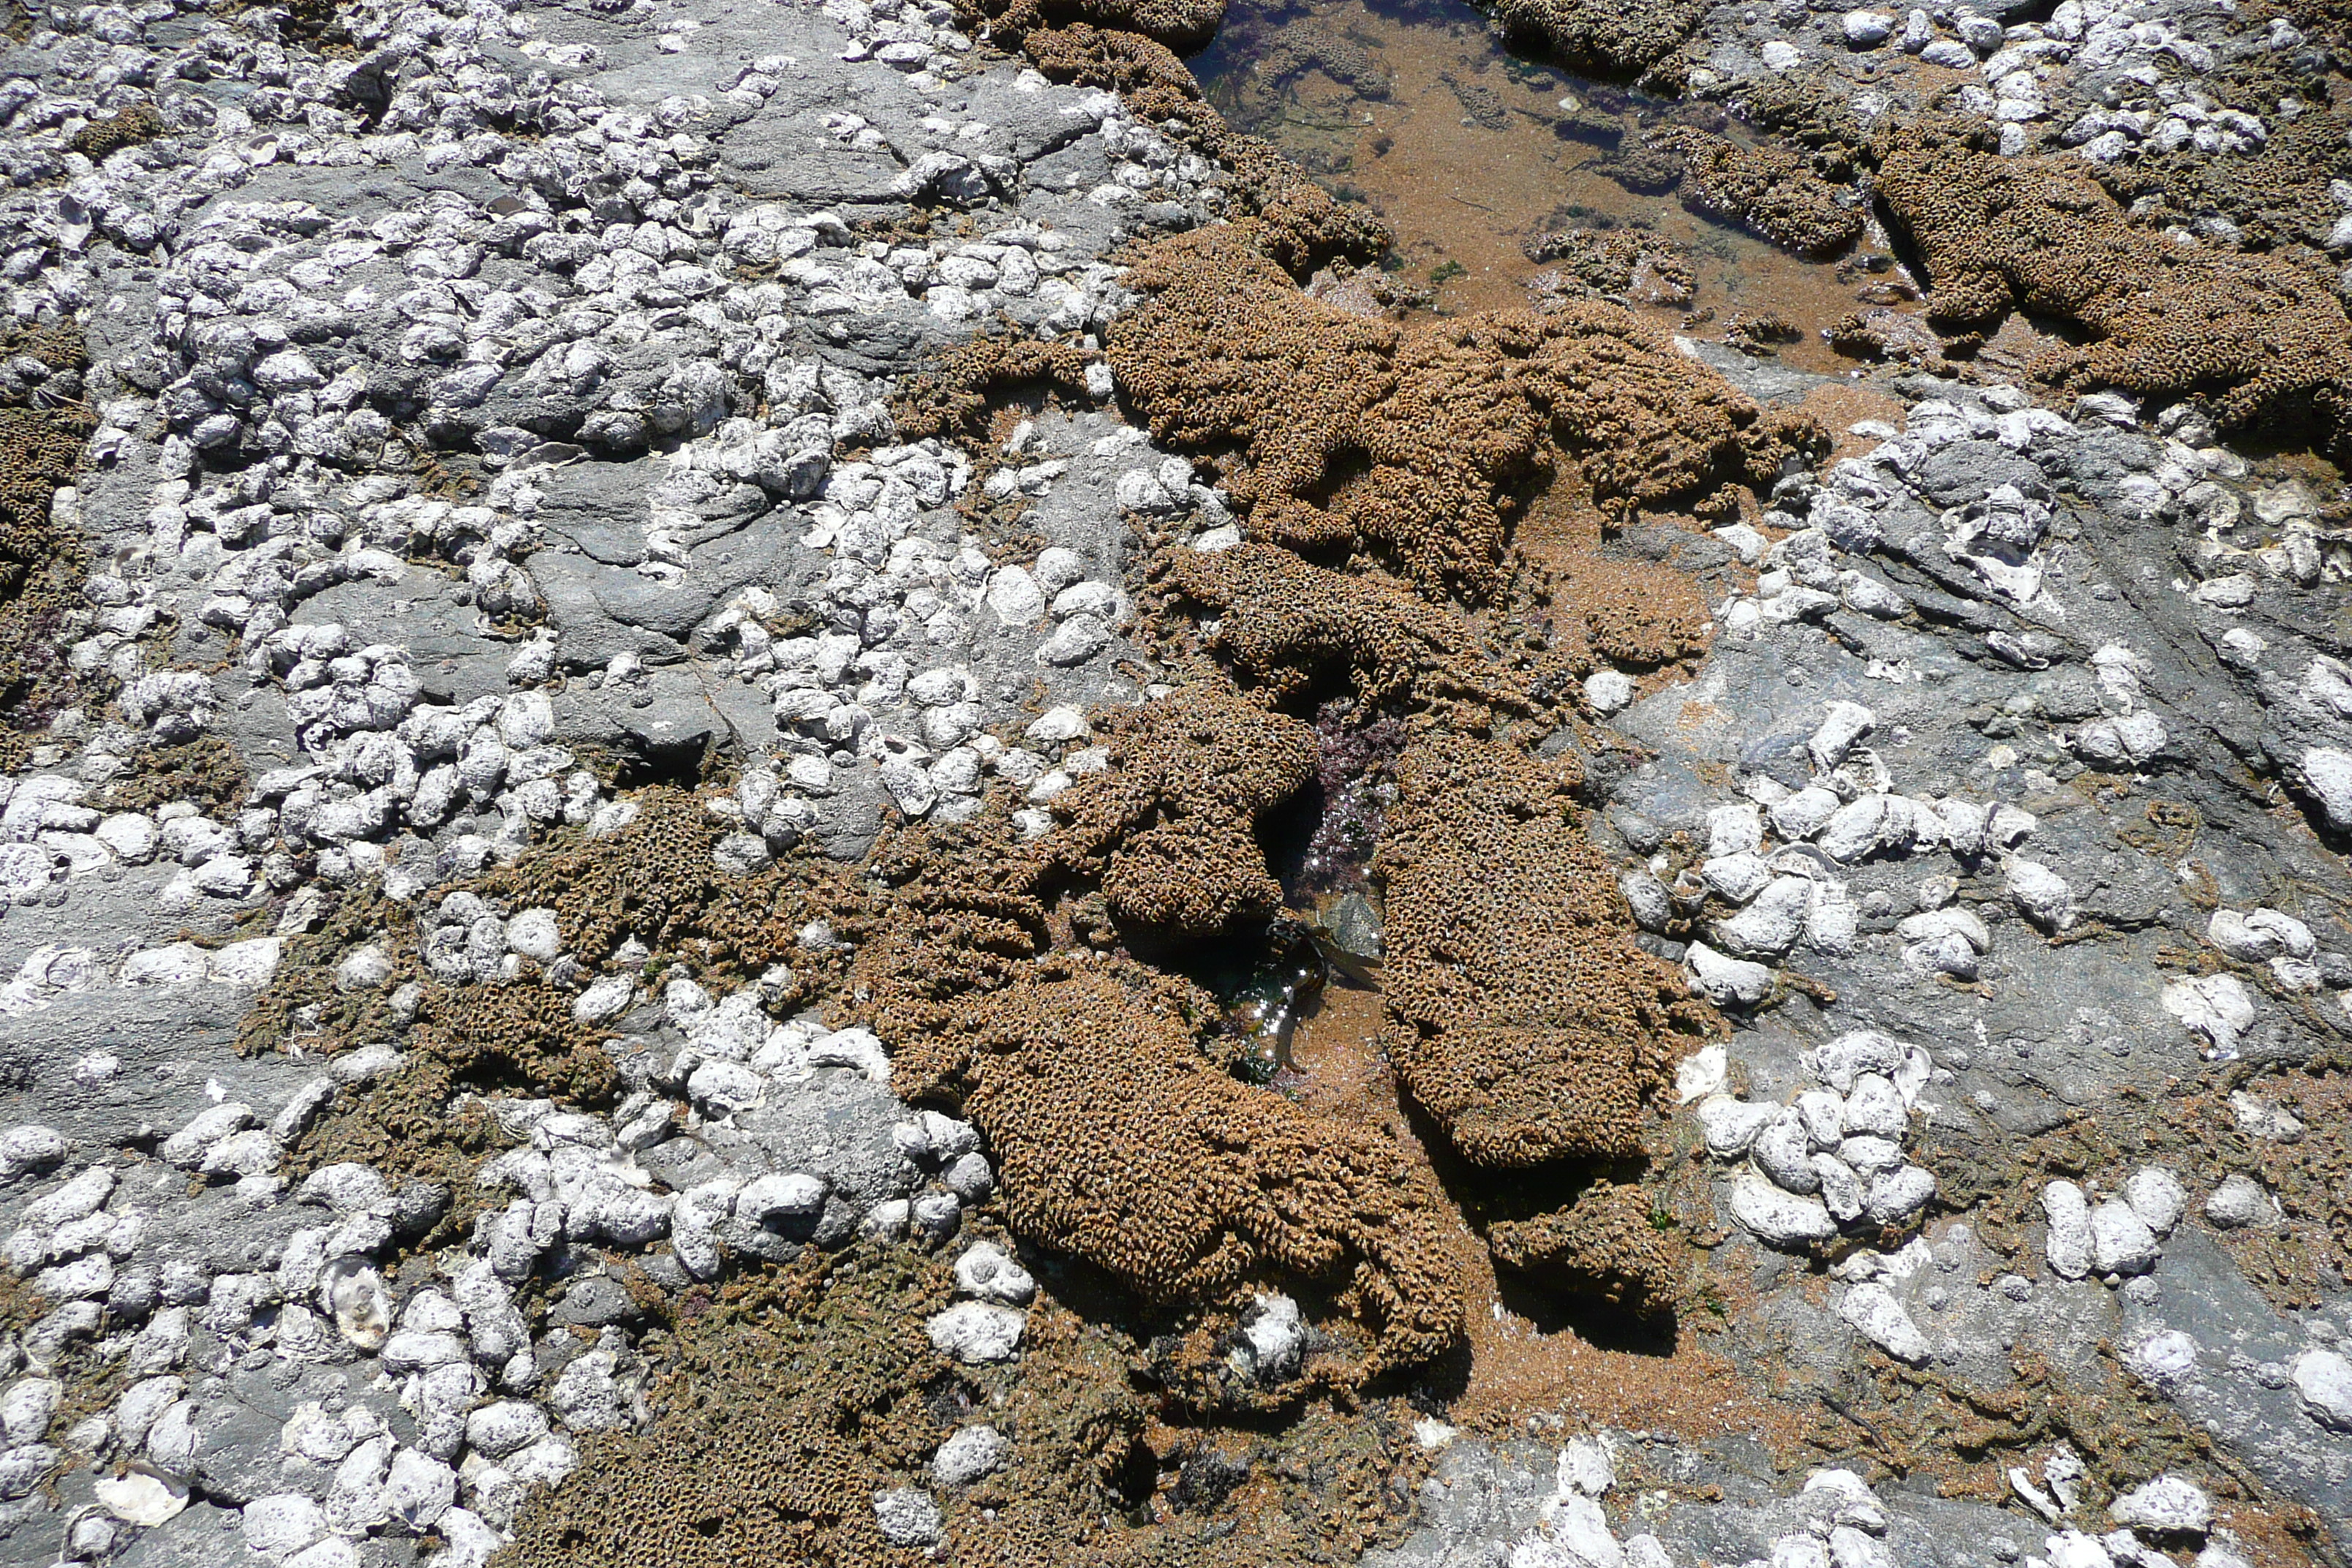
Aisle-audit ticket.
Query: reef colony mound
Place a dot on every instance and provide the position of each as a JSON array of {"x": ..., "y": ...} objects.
[
  {"x": 1378, "y": 474},
  {"x": 1033, "y": 981},
  {"x": 2263, "y": 342}
]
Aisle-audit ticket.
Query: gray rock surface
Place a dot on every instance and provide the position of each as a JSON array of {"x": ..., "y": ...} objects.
[{"x": 630, "y": 275}]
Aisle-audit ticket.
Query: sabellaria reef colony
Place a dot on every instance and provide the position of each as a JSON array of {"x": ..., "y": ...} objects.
[
  {"x": 1379, "y": 474},
  {"x": 634, "y": 1145}
]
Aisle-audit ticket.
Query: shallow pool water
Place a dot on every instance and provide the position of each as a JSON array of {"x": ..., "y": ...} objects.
[{"x": 1467, "y": 150}]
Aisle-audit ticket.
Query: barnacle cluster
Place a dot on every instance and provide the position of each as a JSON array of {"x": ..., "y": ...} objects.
[{"x": 1600, "y": 1240}]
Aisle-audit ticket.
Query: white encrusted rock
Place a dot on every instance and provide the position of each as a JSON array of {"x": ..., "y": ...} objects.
[
  {"x": 1646, "y": 897},
  {"x": 1701, "y": 1073},
  {"x": 2040, "y": 894},
  {"x": 2240, "y": 1201},
  {"x": 1857, "y": 1051},
  {"x": 2328, "y": 774},
  {"x": 187, "y": 1147},
  {"x": 534, "y": 935},
  {"x": 2165, "y": 1506},
  {"x": 984, "y": 1271},
  {"x": 1872, "y": 1312},
  {"x": 976, "y": 1333},
  {"x": 282, "y": 1524},
  {"x": 1842, "y": 723},
  {"x": 1608, "y": 692},
  {"x": 1769, "y": 926},
  {"x": 1780, "y": 1151},
  {"x": 1874, "y": 1108},
  {"x": 1842, "y": 1191},
  {"x": 1896, "y": 1195},
  {"x": 1585, "y": 1467},
  {"x": 26, "y": 1407},
  {"x": 1575, "y": 1535},
  {"x": 1868, "y": 29},
  {"x": 1736, "y": 878},
  {"x": 2121, "y": 1242},
  {"x": 1014, "y": 597},
  {"x": 1736, "y": 828},
  {"x": 971, "y": 1453},
  {"x": 784, "y": 1198},
  {"x": 607, "y": 997},
  {"x": 418, "y": 1490},
  {"x": 365, "y": 969},
  {"x": 2068, "y": 1245},
  {"x": 1778, "y": 1219},
  {"x": 1855, "y": 828},
  {"x": 2213, "y": 1006},
  {"x": 1274, "y": 1339},
  {"x": 2158, "y": 1197},
  {"x": 908, "y": 1517},
  {"x": 1823, "y": 1114},
  {"x": 2163, "y": 1359},
  {"x": 1730, "y": 1124},
  {"x": 2324, "y": 1378},
  {"x": 1804, "y": 813},
  {"x": 500, "y": 1428},
  {"x": 1726, "y": 981}
]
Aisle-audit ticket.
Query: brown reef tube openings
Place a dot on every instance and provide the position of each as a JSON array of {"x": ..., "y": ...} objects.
[
  {"x": 1522, "y": 1018},
  {"x": 43, "y": 559},
  {"x": 2263, "y": 342},
  {"x": 1770, "y": 190},
  {"x": 1173, "y": 24},
  {"x": 1337, "y": 432},
  {"x": 997, "y": 981},
  {"x": 1609, "y": 38},
  {"x": 1379, "y": 474}
]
